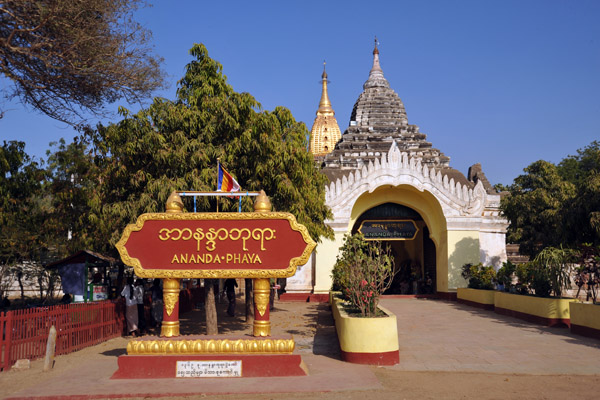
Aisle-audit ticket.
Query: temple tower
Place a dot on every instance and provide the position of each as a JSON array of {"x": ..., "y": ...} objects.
[
  {"x": 385, "y": 174},
  {"x": 325, "y": 132}
]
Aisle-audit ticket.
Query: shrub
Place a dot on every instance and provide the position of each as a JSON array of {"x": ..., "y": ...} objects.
[
  {"x": 504, "y": 275},
  {"x": 551, "y": 271},
  {"x": 479, "y": 276},
  {"x": 548, "y": 274},
  {"x": 363, "y": 271}
]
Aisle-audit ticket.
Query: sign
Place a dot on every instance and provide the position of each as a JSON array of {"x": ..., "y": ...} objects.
[
  {"x": 400, "y": 229},
  {"x": 100, "y": 292},
  {"x": 209, "y": 369},
  {"x": 215, "y": 245}
]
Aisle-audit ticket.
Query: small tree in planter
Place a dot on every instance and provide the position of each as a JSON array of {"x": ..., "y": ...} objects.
[
  {"x": 504, "y": 276},
  {"x": 548, "y": 274},
  {"x": 363, "y": 272},
  {"x": 479, "y": 276},
  {"x": 552, "y": 268}
]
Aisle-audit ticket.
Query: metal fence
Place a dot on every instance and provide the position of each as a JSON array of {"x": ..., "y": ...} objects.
[{"x": 24, "y": 333}]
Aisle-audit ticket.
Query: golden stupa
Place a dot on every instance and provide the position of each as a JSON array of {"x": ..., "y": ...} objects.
[{"x": 325, "y": 132}]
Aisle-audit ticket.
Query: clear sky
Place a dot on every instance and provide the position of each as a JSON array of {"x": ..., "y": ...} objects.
[{"x": 502, "y": 83}]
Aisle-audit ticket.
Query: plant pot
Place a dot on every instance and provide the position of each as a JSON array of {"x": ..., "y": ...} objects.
[
  {"x": 476, "y": 297},
  {"x": 366, "y": 340},
  {"x": 585, "y": 319},
  {"x": 540, "y": 310}
]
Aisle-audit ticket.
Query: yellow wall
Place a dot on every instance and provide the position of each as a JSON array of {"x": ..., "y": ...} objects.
[
  {"x": 583, "y": 314},
  {"x": 326, "y": 254},
  {"x": 463, "y": 248},
  {"x": 365, "y": 335},
  {"x": 538, "y": 306}
]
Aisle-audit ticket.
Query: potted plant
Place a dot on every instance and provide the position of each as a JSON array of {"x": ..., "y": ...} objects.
[{"x": 367, "y": 332}]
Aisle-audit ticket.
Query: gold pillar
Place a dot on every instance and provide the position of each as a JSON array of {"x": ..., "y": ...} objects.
[
  {"x": 170, "y": 323},
  {"x": 262, "y": 324},
  {"x": 262, "y": 286}
]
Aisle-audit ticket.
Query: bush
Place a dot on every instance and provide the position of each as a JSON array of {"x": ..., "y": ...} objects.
[
  {"x": 479, "y": 276},
  {"x": 504, "y": 275},
  {"x": 548, "y": 274},
  {"x": 362, "y": 272}
]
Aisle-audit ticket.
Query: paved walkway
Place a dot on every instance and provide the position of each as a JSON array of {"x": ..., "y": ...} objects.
[
  {"x": 448, "y": 336},
  {"x": 433, "y": 335}
]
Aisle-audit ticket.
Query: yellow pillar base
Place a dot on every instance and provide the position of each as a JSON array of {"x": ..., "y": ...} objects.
[
  {"x": 261, "y": 328},
  {"x": 169, "y": 329}
]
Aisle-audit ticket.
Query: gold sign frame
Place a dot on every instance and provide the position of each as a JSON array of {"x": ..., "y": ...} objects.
[{"x": 215, "y": 273}]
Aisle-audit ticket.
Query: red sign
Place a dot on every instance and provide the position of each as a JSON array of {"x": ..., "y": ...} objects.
[{"x": 215, "y": 245}]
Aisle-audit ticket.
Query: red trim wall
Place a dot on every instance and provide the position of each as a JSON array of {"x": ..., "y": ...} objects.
[{"x": 384, "y": 358}]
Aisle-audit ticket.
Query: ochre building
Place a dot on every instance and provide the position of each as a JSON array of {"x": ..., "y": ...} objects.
[{"x": 384, "y": 173}]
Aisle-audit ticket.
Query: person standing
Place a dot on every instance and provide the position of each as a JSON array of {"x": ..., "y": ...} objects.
[
  {"x": 139, "y": 295},
  {"x": 157, "y": 303},
  {"x": 230, "y": 285},
  {"x": 131, "y": 309}
]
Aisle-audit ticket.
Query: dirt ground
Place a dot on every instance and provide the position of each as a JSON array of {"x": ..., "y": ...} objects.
[{"x": 302, "y": 320}]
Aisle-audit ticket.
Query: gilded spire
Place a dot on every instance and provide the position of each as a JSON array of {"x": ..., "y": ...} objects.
[
  {"x": 376, "y": 78},
  {"x": 325, "y": 131},
  {"x": 325, "y": 104}
]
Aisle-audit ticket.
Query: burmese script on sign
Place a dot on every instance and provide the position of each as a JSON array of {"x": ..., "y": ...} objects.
[
  {"x": 209, "y": 369},
  {"x": 215, "y": 244},
  {"x": 388, "y": 229}
]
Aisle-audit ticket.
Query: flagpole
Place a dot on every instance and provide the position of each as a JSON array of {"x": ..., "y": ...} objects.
[{"x": 218, "y": 162}]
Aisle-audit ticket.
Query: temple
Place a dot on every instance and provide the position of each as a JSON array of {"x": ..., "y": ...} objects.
[
  {"x": 325, "y": 132},
  {"x": 386, "y": 181}
]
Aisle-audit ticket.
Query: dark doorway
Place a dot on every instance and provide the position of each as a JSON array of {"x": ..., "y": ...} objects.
[{"x": 414, "y": 260}]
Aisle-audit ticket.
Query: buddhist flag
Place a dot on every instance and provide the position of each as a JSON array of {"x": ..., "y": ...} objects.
[{"x": 226, "y": 183}]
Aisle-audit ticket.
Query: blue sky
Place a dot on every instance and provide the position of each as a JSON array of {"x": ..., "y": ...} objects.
[{"x": 503, "y": 83}]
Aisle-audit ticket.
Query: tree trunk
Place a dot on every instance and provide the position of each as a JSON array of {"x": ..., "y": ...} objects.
[
  {"x": 210, "y": 307},
  {"x": 20, "y": 280},
  {"x": 249, "y": 300}
]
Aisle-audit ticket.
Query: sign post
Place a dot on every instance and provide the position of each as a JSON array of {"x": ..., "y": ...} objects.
[{"x": 176, "y": 245}]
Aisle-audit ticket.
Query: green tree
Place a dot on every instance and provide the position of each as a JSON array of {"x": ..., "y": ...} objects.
[
  {"x": 582, "y": 212},
  {"x": 534, "y": 207},
  {"x": 174, "y": 145},
  {"x": 71, "y": 179},
  {"x": 22, "y": 245},
  {"x": 554, "y": 205},
  {"x": 69, "y": 57}
]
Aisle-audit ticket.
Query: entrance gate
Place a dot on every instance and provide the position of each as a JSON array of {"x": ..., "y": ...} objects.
[{"x": 414, "y": 252}]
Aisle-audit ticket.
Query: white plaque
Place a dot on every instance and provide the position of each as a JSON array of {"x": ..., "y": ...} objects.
[{"x": 209, "y": 369}]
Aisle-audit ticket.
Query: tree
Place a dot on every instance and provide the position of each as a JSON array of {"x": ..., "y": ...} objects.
[
  {"x": 174, "y": 145},
  {"x": 582, "y": 212},
  {"x": 534, "y": 207},
  {"x": 22, "y": 246},
  {"x": 71, "y": 179},
  {"x": 553, "y": 205},
  {"x": 66, "y": 58}
]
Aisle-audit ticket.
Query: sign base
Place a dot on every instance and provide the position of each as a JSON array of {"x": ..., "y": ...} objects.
[
  {"x": 170, "y": 366},
  {"x": 199, "y": 357}
]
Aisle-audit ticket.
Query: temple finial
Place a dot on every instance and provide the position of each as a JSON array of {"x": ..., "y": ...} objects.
[{"x": 376, "y": 75}]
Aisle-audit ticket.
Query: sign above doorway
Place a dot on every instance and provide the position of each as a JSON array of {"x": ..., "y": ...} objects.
[{"x": 390, "y": 229}]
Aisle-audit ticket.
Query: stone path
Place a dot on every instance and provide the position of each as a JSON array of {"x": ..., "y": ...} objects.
[{"x": 448, "y": 336}]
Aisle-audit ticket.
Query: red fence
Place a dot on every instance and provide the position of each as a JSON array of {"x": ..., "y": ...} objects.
[{"x": 24, "y": 333}]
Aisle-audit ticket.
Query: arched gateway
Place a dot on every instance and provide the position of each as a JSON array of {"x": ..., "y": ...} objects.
[{"x": 383, "y": 169}]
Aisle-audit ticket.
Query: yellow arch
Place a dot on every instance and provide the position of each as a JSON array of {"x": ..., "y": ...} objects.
[{"x": 425, "y": 204}]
